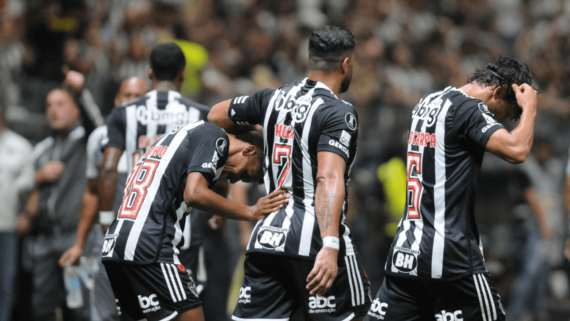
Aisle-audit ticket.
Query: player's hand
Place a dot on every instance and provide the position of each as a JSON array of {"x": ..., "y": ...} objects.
[
  {"x": 527, "y": 97},
  {"x": 71, "y": 256},
  {"x": 23, "y": 225},
  {"x": 217, "y": 222},
  {"x": 268, "y": 204},
  {"x": 50, "y": 172},
  {"x": 73, "y": 80},
  {"x": 324, "y": 271},
  {"x": 546, "y": 231}
]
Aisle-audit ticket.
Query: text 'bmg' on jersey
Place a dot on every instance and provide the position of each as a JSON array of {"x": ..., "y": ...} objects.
[
  {"x": 299, "y": 120},
  {"x": 437, "y": 237},
  {"x": 135, "y": 127},
  {"x": 148, "y": 227}
]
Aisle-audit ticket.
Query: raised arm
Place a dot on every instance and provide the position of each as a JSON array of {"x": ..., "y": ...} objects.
[
  {"x": 219, "y": 116},
  {"x": 329, "y": 197},
  {"x": 515, "y": 146},
  {"x": 198, "y": 195}
]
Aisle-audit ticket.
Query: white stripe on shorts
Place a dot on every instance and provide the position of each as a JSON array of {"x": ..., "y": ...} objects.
[
  {"x": 350, "y": 280},
  {"x": 167, "y": 282},
  {"x": 179, "y": 282},
  {"x": 490, "y": 296},
  {"x": 358, "y": 279}
]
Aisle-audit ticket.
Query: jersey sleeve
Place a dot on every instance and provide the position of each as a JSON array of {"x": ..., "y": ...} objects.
[
  {"x": 250, "y": 110},
  {"x": 338, "y": 130},
  {"x": 474, "y": 121},
  {"x": 94, "y": 152},
  {"x": 116, "y": 130},
  {"x": 208, "y": 152}
]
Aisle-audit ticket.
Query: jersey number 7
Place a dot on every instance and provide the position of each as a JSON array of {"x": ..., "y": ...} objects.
[
  {"x": 282, "y": 158},
  {"x": 415, "y": 187},
  {"x": 136, "y": 188}
]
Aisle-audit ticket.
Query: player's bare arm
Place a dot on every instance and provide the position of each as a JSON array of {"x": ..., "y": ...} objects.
[
  {"x": 515, "y": 146},
  {"x": 88, "y": 215},
  {"x": 198, "y": 195},
  {"x": 329, "y": 197},
  {"x": 108, "y": 177}
]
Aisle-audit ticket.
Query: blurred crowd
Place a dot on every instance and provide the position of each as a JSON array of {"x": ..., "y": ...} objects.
[{"x": 405, "y": 49}]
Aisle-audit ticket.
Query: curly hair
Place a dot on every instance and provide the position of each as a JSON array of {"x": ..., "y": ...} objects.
[{"x": 504, "y": 72}]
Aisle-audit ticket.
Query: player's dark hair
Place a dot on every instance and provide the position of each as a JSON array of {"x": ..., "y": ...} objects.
[
  {"x": 504, "y": 72},
  {"x": 167, "y": 61},
  {"x": 254, "y": 138},
  {"x": 328, "y": 46}
]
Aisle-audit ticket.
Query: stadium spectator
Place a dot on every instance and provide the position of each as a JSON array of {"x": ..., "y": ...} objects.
[
  {"x": 16, "y": 177},
  {"x": 53, "y": 214}
]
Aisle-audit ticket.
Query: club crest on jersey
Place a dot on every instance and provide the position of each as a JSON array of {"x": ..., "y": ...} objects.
[
  {"x": 428, "y": 111},
  {"x": 351, "y": 121},
  {"x": 271, "y": 237},
  {"x": 405, "y": 260},
  {"x": 221, "y": 146}
]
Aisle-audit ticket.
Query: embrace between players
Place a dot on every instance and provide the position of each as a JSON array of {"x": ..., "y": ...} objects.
[{"x": 301, "y": 254}]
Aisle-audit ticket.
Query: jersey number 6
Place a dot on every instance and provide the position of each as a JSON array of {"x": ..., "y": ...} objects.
[{"x": 414, "y": 185}]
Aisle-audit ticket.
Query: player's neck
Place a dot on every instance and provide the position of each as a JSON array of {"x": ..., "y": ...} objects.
[
  {"x": 165, "y": 85},
  {"x": 331, "y": 80},
  {"x": 476, "y": 91}
]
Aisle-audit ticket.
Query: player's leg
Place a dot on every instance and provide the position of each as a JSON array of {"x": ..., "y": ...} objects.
[
  {"x": 348, "y": 299},
  {"x": 191, "y": 315},
  {"x": 401, "y": 299},
  {"x": 471, "y": 298},
  {"x": 264, "y": 293}
]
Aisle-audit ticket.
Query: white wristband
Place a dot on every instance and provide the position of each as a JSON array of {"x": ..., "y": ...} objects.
[
  {"x": 332, "y": 242},
  {"x": 106, "y": 217}
]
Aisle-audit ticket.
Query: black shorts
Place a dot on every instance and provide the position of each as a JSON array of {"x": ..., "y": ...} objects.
[
  {"x": 469, "y": 298},
  {"x": 275, "y": 286},
  {"x": 157, "y": 291}
]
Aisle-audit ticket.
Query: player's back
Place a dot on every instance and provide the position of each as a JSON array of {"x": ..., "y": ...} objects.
[
  {"x": 437, "y": 237},
  {"x": 299, "y": 120},
  {"x": 135, "y": 126},
  {"x": 149, "y": 224}
]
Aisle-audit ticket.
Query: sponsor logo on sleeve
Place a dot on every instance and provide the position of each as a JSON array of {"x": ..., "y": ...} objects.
[
  {"x": 322, "y": 304},
  {"x": 192, "y": 287},
  {"x": 351, "y": 121},
  {"x": 378, "y": 309},
  {"x": 338, "y": 145},
  {"x": 489, "y": 117},
  {"x": 345, "y": 138}
]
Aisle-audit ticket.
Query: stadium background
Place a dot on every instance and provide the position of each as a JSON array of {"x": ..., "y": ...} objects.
[{"x": 405, "y": 49}]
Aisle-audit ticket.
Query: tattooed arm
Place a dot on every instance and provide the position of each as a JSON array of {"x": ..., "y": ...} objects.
[{"x": 329, "y": 198}]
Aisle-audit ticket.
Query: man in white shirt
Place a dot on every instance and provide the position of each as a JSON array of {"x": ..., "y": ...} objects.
[{"x": 16, "y": 176}]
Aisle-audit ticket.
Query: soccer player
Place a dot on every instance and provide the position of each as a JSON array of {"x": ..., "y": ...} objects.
[
  {"x": 134, "y": 128},
  {"x": 103, "y": 305},
  {"x": 140, "y": 251},
  {"x": 302, "y": 256},
  {"x": 435, "y": 268}
]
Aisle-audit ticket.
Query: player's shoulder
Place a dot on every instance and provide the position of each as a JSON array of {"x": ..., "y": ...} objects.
[{"x": 97, "y": 135}]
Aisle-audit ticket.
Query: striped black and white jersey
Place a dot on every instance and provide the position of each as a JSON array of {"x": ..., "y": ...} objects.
[
  {"x": 135, "y": 127},
  {"x": 96, "y": 140},
  {"x": 299, "y": 120},
  {"x": 149, "y": 225},
  {"x": 437, "y": 237}
]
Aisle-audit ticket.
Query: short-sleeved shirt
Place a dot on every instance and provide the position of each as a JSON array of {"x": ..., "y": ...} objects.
[
  {"x": 299, "y": 120},
  {"x": 148, "y": 227},
  {"x": 437, "y": 237},
  {"x": 135, "y": 126}
]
